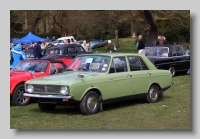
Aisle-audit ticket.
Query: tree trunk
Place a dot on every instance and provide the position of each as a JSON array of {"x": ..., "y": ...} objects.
[
  {"x": 152, "y": 33},
  {"x": 116, "y": 38},
  {"x": 44, "y": 25},
  {"x": 133, "y": 29},
  {"x": 25, "y": 26}
]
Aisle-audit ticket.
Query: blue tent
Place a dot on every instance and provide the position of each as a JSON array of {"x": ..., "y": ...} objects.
[{"x": 29, "y": 38}]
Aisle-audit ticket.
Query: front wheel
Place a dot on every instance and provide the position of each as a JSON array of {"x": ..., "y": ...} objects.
[
  {"x": 90, "y": 103},
  {"x": 173, "y": 71},
  {"x": 153, "y": 94},
  {"x": 18, "y": 98},
  {"x": 46, "y": 106}
]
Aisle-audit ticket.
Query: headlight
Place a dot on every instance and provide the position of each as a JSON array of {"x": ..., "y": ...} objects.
[
  {"x": 64, "y": 90},
  {"x": 30, "y": 89}
]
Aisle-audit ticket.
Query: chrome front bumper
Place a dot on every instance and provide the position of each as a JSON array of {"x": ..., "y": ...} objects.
[{"x": 47, "y": 96}]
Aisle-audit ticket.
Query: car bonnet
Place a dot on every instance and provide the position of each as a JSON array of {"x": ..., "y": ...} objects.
[{"x": 62, "y": 78}]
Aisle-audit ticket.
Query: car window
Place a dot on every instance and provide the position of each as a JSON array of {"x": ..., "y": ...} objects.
[
  {"x": 179, "y": 51},
  {"x": 80, "y": 49},
  {"x": 89, "y": 63},
  {"x": 156, "y": 51},
  {"x": 173, "y": 52},
  {"x": 186, "y": 50},
  {"x": 58, "y": 66},
  {"x": 118, "y": 65},
  {"x": 31, "y": 66},
  {"x": 52, "y": 51},
  {"x": 136, "y": 63}
]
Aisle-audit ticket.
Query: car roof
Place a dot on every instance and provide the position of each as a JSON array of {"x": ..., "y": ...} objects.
[
  {"x": 65, "y": 45},
  {"x": 114, "y": 54},
  {"x": 168, "y": 45}
]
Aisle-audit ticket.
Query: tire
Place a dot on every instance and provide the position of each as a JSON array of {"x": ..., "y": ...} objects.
[
  {"x": 153, "y": 94},
  {"x": 173, "y": 71},
  {"x": 17, "y": 98},
  {"x": 90, "y": 103},
  {"x": 46, "y": 106}
]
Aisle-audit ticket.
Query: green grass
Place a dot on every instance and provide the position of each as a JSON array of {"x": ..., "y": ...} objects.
[
  {"x": 126, "y": 45},
  {"x": 170, "y": 113}
]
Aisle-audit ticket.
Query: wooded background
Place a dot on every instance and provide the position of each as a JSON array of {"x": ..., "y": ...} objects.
[{"x": 106, "y": 24}]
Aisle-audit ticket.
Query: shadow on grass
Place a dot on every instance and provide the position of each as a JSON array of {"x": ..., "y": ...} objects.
[{"x": 74, "y": 110}]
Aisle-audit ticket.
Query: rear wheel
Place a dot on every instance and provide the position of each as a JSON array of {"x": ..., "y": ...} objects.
[
  {"x": 172, "y": 70},
  {"x": 46, "y": 106},
  {"x": 18, "y": 98},
  {"x": 90, "y": 103},
  {"x": 153, "y": 94}
]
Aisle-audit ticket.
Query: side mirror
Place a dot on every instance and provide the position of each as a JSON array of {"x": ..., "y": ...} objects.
[
  {"x": 53, "y": 71},
  {"x": 32, "y": 73}
]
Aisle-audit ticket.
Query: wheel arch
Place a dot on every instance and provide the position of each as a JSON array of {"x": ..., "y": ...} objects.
[
  {"x": 95, "y": 90},
  {"x": 13, "y": 87}
]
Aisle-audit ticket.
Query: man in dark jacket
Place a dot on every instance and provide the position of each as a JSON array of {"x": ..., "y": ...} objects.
[
  {"x": 140, "y": 44},
  {"x": 37, "y": 51}
]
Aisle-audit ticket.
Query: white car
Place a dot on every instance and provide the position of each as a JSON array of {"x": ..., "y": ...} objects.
[{"x": 60, "y": 40}]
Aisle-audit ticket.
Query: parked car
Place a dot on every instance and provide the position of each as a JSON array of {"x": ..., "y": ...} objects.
[
  {"x": 69, "y": 50},
  {"x": 175, "y": 58},
  {"x": 22, "y": 73},
  {"x": 79, "y": 42},
  {"x": 97, "y": 43},
  {"x": 93, "y": 80},
  {"x": 60, "y": 40}
]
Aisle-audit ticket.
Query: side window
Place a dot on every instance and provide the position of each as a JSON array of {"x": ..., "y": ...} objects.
[
  {"x": 118, "y": 65},
  {"x": 186, "y": 50},
  {"x": 136, "y": 64},
  {"x": 173, "y": 52},
  {"x": 179, "y": 51}
]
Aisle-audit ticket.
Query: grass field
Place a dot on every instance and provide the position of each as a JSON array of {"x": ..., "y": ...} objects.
[{"x": 170, "y": 113}]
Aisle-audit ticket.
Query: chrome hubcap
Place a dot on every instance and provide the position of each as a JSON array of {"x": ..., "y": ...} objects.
[
  {"x": 153, "y": 93},
  {"x": 92, "y": 103}
]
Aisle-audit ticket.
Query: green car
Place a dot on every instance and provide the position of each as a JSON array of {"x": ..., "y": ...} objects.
[{"x": 93, "y": 80}]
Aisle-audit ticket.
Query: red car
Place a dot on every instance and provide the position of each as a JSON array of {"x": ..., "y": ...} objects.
[{"x": 21, "y": 73}]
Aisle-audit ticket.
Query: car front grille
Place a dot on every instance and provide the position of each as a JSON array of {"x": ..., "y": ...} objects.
[{"x": 46, "y": 88}]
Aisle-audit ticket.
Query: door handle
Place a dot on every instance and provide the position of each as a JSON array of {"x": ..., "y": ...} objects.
[
  {"x": 149, "y": 73},
  {"x": 129, "y": 75},
  {"x": 111, "y": 78}
]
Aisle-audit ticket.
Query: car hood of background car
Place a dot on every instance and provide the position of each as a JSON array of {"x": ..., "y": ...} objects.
[{"x": 64, "y": 78}]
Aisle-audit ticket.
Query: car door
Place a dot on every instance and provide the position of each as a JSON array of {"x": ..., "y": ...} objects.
[
  {"x": 140, "y": 75},
  {"x": 117, "y": 81},
  {"x": 182, "y": 61}
]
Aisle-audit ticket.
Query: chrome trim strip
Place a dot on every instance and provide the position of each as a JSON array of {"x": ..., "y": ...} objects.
[{"x": 47, "y": 96}]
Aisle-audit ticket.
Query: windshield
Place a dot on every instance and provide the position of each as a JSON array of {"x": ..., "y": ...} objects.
[
  {"x": 94, "y": 63},
  {"x": 58, "y": 41},
  {"x": 30, "y": 66},
  {"x": 156, "y": 51}
]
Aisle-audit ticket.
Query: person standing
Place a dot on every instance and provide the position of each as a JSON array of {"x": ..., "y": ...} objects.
[
  {"x": 18, "y": 54},
  {"x": 110, "y": 47},
  {"x": 85, "y": 45},
  {"x": 37, "y": 51},
  {"x": 74, "y": 42},
  {"x": 140, "y": 44}
]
